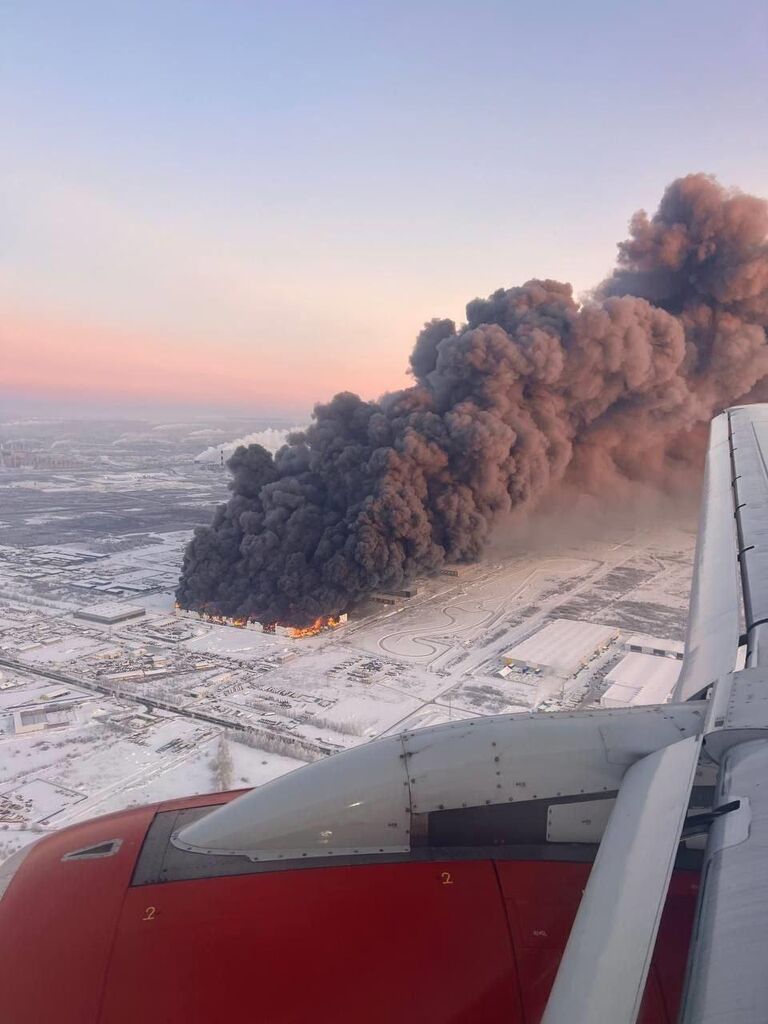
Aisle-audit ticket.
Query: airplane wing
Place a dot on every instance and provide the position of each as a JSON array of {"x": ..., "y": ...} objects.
[
  {"x": 727, "y": 979},
  {"x": 603, "y": 970}
]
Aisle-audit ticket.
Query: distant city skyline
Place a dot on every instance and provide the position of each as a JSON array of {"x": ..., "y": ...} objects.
[{"x": 249, "y": 207}]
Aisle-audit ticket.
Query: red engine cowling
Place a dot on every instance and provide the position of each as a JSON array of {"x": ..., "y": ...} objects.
[{"x": 96, "y": 930}]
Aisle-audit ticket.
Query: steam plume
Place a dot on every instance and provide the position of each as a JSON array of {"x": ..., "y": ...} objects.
[{"x": 533, "y": 391}]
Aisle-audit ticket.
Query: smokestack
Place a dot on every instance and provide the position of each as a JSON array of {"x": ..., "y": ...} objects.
[{"x": 533, "y": 391}]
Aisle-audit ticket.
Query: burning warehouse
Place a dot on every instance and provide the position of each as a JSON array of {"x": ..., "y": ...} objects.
[{"x": 321, "y": 625}]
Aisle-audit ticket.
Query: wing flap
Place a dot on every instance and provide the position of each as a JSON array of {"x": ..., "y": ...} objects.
[{"x": 605, "y": 965}]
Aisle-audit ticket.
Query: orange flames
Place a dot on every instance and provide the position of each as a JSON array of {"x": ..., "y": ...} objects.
[{"x": 320, "y": 624}]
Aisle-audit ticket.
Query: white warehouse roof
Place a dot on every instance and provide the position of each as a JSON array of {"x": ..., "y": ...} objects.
[
  {"x": 109, "y": 612},
  {"x": 641, "y": 679},
  {"x": 562, "y": 646}
]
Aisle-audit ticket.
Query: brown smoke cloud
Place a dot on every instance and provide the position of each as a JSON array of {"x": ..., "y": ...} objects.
[{"x": 531, "y": 392}]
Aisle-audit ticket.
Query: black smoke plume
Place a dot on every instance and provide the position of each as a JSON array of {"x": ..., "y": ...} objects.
[{"x": 532, "y": 392}]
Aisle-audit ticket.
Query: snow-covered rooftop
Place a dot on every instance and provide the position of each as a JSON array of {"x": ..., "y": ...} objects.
[
  {"x": 641, "y": 679},
  {"x": 562, "y": 646},
  {"x": 109, "y": 612}
]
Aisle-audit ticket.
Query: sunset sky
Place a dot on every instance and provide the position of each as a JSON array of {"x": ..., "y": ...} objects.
[{"x": 248, "y": 206}]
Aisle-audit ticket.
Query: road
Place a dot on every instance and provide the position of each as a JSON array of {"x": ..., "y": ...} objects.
[{"x": 150, "y": 703}]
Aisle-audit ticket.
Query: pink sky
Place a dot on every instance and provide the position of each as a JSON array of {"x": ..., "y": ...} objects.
[{"x": 65, "y": 358}]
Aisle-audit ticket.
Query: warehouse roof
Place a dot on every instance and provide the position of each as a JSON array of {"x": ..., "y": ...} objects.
[
  {"x": 562, "y": 646},
  {"x": 641, "y": 679},
  {"x": 109, "y": 612}
]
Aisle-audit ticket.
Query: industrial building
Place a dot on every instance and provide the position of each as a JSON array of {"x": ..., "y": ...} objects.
[
  {"x": 35, "y": 720},
  {"x": 222, "y": 620},
  {"x": 109, "y": 613},
  {"x": 641, "y": 679},
  {"x": 563, "y": 646},
  {"x": 640, "y": 644}
]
